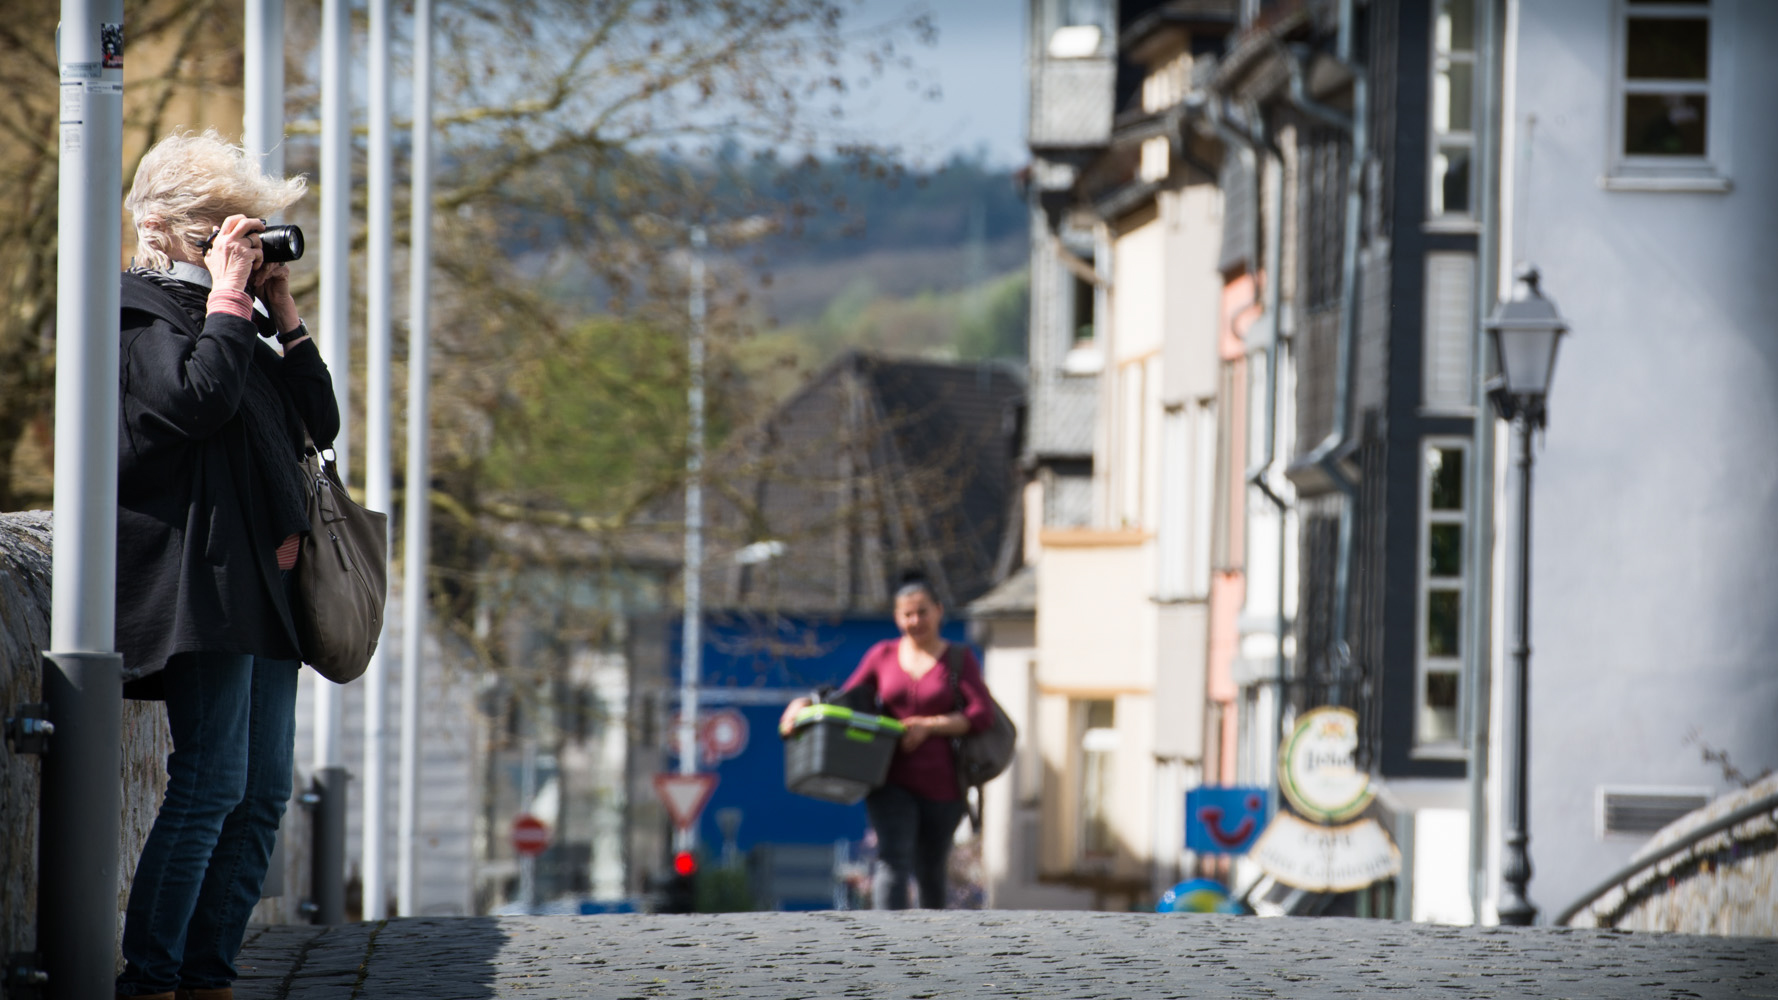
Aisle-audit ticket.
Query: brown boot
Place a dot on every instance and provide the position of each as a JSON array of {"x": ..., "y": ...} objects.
[{"x": 219, "y": 993}]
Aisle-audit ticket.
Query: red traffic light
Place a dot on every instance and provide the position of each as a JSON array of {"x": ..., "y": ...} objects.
[{"x": 685, "y": 863}]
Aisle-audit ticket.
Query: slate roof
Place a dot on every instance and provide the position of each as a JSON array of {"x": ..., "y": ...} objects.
[{"x": 878, "y": 465}]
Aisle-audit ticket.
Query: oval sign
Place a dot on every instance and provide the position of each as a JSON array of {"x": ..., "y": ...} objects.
[{"x": 1316, "y": 768}]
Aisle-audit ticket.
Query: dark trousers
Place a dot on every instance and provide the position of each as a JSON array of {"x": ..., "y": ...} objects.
[
  {"x": 914, "y": 836},
  {"x": 233, "y": 721}
]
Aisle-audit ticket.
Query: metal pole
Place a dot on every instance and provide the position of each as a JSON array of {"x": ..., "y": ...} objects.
[
  {"x": 328, "y": 892},
  {"x": 528, "y": 890},
  {"x": 1515, "y": 866},
  {"x": 692, "y": 656},
  {"x": 263, "y": 82},
  {"x": 82, "y": 675},
  {"x": 416, "y": 523},
  {"x": 378, "y": 464}
]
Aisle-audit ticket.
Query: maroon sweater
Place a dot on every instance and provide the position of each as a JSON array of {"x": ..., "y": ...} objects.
[{"x": 930, "y": 771}]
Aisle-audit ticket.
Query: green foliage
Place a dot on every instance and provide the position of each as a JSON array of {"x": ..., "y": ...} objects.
[
  {"x": 724, "y": 890},
  {"x": 987, "y": 321},
  {"x": 596, "y": 422}
]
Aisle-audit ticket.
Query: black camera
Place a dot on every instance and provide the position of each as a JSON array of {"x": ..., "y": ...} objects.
[{"x": 281, "y": 244}]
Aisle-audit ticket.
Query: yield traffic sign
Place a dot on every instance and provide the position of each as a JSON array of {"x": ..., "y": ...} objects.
[{"x": 685, "y": 795}]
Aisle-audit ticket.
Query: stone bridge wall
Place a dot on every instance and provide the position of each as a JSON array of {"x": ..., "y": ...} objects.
[
  {"x": 1725, "y": 884},
  {"x": 24, "y": 634}
]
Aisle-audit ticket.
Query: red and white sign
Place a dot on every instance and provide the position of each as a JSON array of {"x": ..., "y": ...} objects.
[
  {"x": 723, "y": 734},
  {"x": 530, "y": 835},
  {"x": 685, "y": 795}
]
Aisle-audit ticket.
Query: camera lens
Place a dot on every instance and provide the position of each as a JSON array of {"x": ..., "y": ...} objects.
[{"x": 281, "y": 244}]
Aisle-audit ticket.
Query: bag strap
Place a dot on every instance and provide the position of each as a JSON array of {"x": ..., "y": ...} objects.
[{"x": 950, "y": 660}]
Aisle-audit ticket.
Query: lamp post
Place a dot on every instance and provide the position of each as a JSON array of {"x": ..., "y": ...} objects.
[{"x": 1525, "y": 333}]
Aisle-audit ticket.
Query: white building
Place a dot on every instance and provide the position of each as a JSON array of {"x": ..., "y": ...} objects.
[{"x": 1639, "y": 139}]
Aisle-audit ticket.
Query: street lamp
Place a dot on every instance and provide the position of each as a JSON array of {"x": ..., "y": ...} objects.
[{"x": 1525, "y": 333}]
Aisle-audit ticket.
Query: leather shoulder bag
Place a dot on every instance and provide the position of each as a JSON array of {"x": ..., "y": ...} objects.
[
  {"x": 341, "y": 576},
  {"x": 981, "y": 757}
]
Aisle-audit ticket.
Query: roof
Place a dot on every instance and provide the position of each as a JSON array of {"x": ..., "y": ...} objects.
[
  {"x": 877, "y": 466},
  {"x": 1015, "y": 597}
]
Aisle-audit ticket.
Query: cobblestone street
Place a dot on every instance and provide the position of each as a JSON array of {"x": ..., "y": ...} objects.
[{"x": 781, "y": 956}]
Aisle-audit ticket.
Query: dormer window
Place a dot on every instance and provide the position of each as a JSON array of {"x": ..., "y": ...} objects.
[{"x": 1081, "y": 29}]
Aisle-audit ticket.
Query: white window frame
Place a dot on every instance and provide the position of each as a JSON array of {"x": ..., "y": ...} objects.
[
  {"x": 1709, "y": 173},
  {"x": 1465, "y": 221},
  {"x": 1424, "y": 665},
  {"x": 1092, "y": 741}
]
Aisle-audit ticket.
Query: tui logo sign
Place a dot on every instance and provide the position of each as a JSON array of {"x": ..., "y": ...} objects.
[{"x": 1223, "y": 820}]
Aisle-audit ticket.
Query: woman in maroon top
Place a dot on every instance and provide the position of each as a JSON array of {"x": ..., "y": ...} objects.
[{"x": 916, "y": 811}]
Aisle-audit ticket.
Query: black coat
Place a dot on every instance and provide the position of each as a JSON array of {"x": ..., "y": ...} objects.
[{"x": 197, "y": 568}]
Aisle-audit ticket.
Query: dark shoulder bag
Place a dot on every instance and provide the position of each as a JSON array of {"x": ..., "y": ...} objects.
[
  {"x": 982, "y": 756},
  {"x": 341, "y": 577}
]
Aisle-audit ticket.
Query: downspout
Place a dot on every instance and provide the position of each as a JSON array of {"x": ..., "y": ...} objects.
[
  {"x": 1325, "y": 455},
  {"x": 1479, "y": 564},
  {"x": 1273, "y": 213}
]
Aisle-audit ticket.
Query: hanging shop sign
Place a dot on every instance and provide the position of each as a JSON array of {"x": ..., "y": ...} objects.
[
  {"x": 1317, "y": 771},
  {"x": 1326, "y": 858},
  {"x": 1223, "y": 820}
]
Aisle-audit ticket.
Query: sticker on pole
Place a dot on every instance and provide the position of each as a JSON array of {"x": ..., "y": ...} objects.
[
  {"x": 530, "y": 835},
  {"x": 685, "y": 795}
]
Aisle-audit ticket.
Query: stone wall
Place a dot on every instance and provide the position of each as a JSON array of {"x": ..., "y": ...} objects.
[
  {"x": 1725, "y": 884},
  {"x": 24, "y": 634}
]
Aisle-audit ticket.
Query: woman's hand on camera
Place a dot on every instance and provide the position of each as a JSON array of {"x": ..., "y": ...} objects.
[
  {"x": 273, "y": 289},
  {"x": 234, "y": 253}
]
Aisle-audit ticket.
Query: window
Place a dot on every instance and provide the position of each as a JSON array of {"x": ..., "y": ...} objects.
[
  {"x": 1454, "y": 115},
  {"x": 1098, "y": 752},
  {"x": 1443, "y": 520},
  {"x": 1450, "y": 325},
  {"x": 1081, "y": 29},
  {"x": 1667, "y": 128}
]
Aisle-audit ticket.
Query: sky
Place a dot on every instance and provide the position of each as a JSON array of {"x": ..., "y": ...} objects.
[{"x": 978, "y": 67}]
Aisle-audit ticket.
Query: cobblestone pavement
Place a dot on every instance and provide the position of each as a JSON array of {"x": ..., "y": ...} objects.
[{"x": 971, "y": 954}]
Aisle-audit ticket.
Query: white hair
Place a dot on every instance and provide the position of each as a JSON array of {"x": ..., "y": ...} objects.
[{"x": 189, "y": 183}]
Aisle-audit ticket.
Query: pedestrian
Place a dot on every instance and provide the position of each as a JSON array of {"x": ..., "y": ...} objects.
[
  {"x": 211, "y": 509},
  {"x": 916, "y": 811}
]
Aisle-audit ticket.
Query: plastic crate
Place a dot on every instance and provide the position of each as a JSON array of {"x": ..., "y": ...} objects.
[{"x": 838, "y": 755}]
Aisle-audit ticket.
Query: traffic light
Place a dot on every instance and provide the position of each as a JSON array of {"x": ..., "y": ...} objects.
[{"x": 681, "y": 894}]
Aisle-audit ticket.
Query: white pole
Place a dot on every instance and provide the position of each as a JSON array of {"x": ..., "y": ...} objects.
[
  {"x": 692, "y": 635},
  {"x": 334, "y": 338},
  {"x": 378, "y": 466},
  {"x": 263, "y": 131},
  {"x": 334, "y": 335},
  {"x": 82, "y": 676},
  {"x": 416, "y": 523}
]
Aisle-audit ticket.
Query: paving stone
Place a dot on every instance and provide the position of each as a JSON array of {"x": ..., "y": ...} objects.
[{"x": 970, "y": 954}]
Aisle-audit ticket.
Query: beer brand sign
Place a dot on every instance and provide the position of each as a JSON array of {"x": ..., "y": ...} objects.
[{"x": 1316, "y": 766}]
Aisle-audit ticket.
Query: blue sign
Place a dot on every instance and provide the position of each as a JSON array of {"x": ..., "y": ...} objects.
[{"x": 1222, "y": 820}]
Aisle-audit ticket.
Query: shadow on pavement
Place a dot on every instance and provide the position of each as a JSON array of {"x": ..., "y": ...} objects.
[{"x": 432, "y": 956}]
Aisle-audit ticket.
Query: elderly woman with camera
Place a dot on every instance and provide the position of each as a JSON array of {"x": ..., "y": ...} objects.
[{"x": 211, "y": 510}]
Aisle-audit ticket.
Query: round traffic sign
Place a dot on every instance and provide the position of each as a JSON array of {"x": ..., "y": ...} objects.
[{"x": 530, "y": 835}]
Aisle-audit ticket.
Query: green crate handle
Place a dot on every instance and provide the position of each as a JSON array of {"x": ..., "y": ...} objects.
[{"x": 859, "y": 725}]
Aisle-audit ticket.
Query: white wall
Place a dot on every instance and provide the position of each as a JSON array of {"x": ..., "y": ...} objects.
[{"x": 1654, "y": 580}]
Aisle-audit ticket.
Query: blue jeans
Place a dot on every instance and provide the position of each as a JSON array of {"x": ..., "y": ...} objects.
[
  {"x": 914, "y": 836},
  {"x": 233, "y": 721}
]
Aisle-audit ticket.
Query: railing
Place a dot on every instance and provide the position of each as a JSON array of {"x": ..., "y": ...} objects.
[{"x": 1621, "y": 878}]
